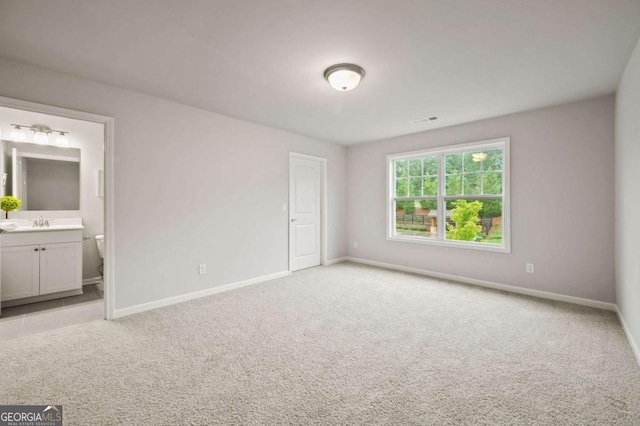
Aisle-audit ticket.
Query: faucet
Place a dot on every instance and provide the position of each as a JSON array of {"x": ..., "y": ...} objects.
[{"x": 41, "y": 222}]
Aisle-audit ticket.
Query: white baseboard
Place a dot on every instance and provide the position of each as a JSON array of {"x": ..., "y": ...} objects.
[
  {"x": 634, "y": 346},
  {"x": 41, "y": 298},
  {"x": 94, "y": 280},
  {"x": 119, "y": 313},
  {"x": 489, "y": 284},
  {"x": 336, "y": 260}
]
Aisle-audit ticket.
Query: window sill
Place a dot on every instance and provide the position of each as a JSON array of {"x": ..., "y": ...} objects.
[{"x": 503, "y": 248}]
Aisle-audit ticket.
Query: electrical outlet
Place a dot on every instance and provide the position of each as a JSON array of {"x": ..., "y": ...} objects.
[
  {"x": 355, "y": 244},
  {"x": 530, "y": 268},
  {"x": 202, "y": 268}
]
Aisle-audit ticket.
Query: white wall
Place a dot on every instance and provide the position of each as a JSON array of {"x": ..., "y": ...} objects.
[
  {"x": 562, "y": 184},
  {"x": 89, "y": 139},
  {"x": 627, "y": 155},
  {"x": 191, "y": 187}
]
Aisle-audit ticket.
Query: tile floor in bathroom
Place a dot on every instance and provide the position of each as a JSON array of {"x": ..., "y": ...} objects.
[{"x": 24, "y": 320}]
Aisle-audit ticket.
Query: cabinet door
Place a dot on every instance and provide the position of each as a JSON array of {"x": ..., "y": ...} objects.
[
  {"x": 20, "y": 272},
  {"x": 60, "y": 267}
]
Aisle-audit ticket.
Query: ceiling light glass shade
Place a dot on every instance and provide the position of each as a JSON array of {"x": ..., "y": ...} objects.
[
  {"x": 41, "y": 138},
  {"x": 344, "y": 77},
  {"x": 17, "y": 135},
  {"x": 62, "y": 140}
]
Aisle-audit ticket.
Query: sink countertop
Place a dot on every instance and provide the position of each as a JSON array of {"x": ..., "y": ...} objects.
[
  {"x": 55, "y": 224},
  {"x": 46, "y": 228}
]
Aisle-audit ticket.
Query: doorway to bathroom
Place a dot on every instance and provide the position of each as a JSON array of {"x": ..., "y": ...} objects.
[{"x": 56, "y": 231}]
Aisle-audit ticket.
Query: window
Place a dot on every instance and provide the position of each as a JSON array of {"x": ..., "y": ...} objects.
[{"x": 455, "y": 196}]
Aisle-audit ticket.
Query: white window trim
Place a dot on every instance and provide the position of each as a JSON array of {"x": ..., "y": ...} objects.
[{"x": 503, "y": 143}]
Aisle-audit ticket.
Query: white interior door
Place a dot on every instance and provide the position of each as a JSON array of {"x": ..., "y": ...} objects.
[{"x": 305, "y": 186}]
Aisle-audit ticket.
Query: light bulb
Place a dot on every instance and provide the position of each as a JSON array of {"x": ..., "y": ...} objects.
[
  {"x": 41, "y": 138},
  {"x": 344, "y": 77},
  {"x": 17, "y": 134},
  {"x": 62, "y": 140},
  {"x": 344, "y": 80}
]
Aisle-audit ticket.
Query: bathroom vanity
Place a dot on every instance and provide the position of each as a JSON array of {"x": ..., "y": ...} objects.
[{"x": 40, "y": 262}]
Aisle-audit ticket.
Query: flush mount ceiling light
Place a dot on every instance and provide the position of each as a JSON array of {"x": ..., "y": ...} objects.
[
  {"x": 344, "y": 77},
  {"x": 479, "y": 156},
  {"x": 40, "y": 134}
]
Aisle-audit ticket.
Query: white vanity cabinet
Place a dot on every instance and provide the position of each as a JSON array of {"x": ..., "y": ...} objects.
[
  {"x": 20, "y": 272},
  {"x": 40, "y": 263},
  {"x": 60, "y": 267}
]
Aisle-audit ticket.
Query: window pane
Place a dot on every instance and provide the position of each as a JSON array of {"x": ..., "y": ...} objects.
[
  {"x": 405, "y": 207},
  {"x": 492, "y": 183},
  {"x": 453, "y": 185},
  {"x": 473, "y": 161},
  {"x": 491, "y": 221},
  {"x": 431, "y": 166},
  {"x": 471, "y": 184},
  {"x": 469, "y": 201},
  {"x": 402, "y": 187},
  {"x": 430, "y": 186},
  {"x": 409, "y": 223},
  {"x": 415, "y": 187},
  {"x": 453, "y": 163},
  {"x": 428, "y": 205},
  {"x": 493, "y": 162},
  {"x": 402, "y": 168},
  {"x": 478, "y": 221},
  {"x": 415, "y": 167}
]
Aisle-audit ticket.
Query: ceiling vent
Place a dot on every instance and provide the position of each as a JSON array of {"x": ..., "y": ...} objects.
[{"x": 424, "y": 120}]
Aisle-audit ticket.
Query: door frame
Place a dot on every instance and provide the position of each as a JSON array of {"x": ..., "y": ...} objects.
[
  {"x": 323, "y": 206},
  {"x": 109, "y": 188}
]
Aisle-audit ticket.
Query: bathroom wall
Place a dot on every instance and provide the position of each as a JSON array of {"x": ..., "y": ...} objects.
[
  {"x": 5, "y": 164},
  {"x": 191, "y": 187},
  {"x": 89, "y": 138}
]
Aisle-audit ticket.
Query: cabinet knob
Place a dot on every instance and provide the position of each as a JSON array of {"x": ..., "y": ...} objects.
[
  {"x": 43, "y": 249},
  {"x": 35, "y": 249}
]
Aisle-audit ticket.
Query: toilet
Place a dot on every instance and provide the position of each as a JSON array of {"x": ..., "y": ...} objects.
[{"x": 100, "y": 243}]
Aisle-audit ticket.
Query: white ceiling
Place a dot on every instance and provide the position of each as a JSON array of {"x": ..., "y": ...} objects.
[{"x": 263, "y": 60}]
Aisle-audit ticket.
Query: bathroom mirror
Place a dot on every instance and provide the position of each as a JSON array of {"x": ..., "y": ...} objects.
[{"x": 43, "y": 177}]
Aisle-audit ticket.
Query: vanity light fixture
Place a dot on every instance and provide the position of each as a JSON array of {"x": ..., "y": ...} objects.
[
  {"x": 17, "y": 134},
  {"x": 40, "y": 134},
  {"x": 344, "y": 77}
]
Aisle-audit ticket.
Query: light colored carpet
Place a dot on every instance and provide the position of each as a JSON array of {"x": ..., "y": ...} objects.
[{"x": 346, "y": 344}]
